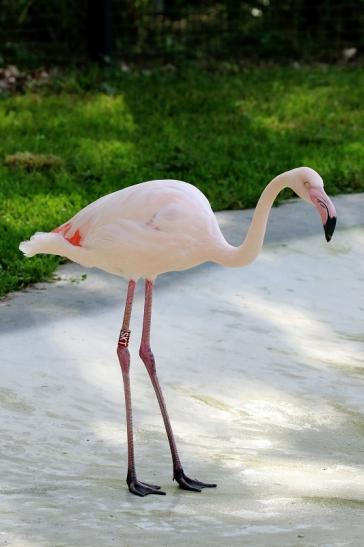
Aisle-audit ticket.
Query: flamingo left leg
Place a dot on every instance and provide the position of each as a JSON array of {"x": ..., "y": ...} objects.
[
  {"x": 147, "y": 357},
  {"x": 135, "y": 486}
]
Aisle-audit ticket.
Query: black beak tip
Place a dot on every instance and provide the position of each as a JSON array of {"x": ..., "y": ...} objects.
[{"x": 329, "y": 228}]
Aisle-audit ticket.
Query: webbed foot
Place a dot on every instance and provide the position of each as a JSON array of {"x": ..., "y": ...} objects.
[
  {"x": 192, "y": 485},
  {"x": 142, "y": 488}
]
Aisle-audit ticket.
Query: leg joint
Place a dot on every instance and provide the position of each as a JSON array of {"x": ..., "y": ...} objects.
[
  {"x": 124, "y": 358},
  {"x": 147, "y": 357}
]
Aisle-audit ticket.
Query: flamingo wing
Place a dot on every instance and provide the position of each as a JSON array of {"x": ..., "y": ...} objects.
[{"x": 165, "y": 206}]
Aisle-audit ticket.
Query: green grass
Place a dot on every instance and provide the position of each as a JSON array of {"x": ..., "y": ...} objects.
[{"x": 228, "y": 133}]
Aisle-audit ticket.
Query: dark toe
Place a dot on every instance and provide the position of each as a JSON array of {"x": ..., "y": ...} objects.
[
  {"x": 190, "y": 484},
  {"x": 185, "y": 485},
  {"x": 154, "y": 486},
  {"x": 143, "y": 489},
  {"x": 200, "y": 484}
]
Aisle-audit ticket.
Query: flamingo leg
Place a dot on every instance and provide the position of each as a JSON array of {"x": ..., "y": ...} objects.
[
  {"x": 147, "y": 357},
  {"x": 135, "y": 486}
]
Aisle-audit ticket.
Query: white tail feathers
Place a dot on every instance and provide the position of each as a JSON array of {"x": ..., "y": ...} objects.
[
  {"x": 48, "y": 243},
  {"x": 55, "y": 244}
]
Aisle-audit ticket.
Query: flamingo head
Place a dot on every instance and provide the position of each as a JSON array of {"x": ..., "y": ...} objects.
[{"x": 308, "y": 185}]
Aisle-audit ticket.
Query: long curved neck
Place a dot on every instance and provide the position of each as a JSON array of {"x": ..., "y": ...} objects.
[{"x": 253, "y": 242}]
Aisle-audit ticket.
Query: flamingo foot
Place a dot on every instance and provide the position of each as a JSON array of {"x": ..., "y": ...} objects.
[
  {"x": 186, "y": 483},
  {"x": 142, "y": 488}
]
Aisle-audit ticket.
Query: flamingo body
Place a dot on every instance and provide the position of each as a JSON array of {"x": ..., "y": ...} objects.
[{"x": 140, "y": 231}]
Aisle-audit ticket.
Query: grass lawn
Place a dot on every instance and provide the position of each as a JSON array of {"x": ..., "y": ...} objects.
[{"x": 228, "y": 133}]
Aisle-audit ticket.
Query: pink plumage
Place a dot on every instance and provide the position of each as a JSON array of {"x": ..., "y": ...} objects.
[{"x": 140, "y": 231}]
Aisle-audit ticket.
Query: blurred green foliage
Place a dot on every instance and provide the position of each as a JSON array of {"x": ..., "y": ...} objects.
[{"x": 56, "y": 30}]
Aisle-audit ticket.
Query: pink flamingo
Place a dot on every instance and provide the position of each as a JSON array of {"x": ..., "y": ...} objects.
[{"x": 156, "y": 227}]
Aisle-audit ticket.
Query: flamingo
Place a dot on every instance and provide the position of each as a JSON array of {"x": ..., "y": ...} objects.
[{"x": 156, "y": 227}]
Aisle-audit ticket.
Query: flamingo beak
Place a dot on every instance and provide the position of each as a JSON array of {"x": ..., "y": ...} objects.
[
  {"x": 326, "y": 210},
  {"x": 329, "y": 227}
]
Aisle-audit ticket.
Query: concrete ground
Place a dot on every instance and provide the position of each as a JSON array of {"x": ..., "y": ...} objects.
[{"x": 263, "y": 372}]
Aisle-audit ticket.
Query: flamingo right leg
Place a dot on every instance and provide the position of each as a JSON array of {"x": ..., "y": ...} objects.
[
  {"x": 147, "y": 357},
  {"x": 135, "y": 486}
]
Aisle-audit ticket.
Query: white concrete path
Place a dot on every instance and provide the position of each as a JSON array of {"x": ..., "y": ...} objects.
[{"x": 263, "y": 372}]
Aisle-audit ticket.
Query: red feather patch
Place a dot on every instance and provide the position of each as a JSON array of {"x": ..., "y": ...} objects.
[{"x": 75, "y": 239}]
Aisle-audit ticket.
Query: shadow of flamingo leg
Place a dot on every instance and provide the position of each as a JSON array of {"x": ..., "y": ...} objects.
[
  {"x": 147, "y": 357},
  {"x": 136, "y": 487}
]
